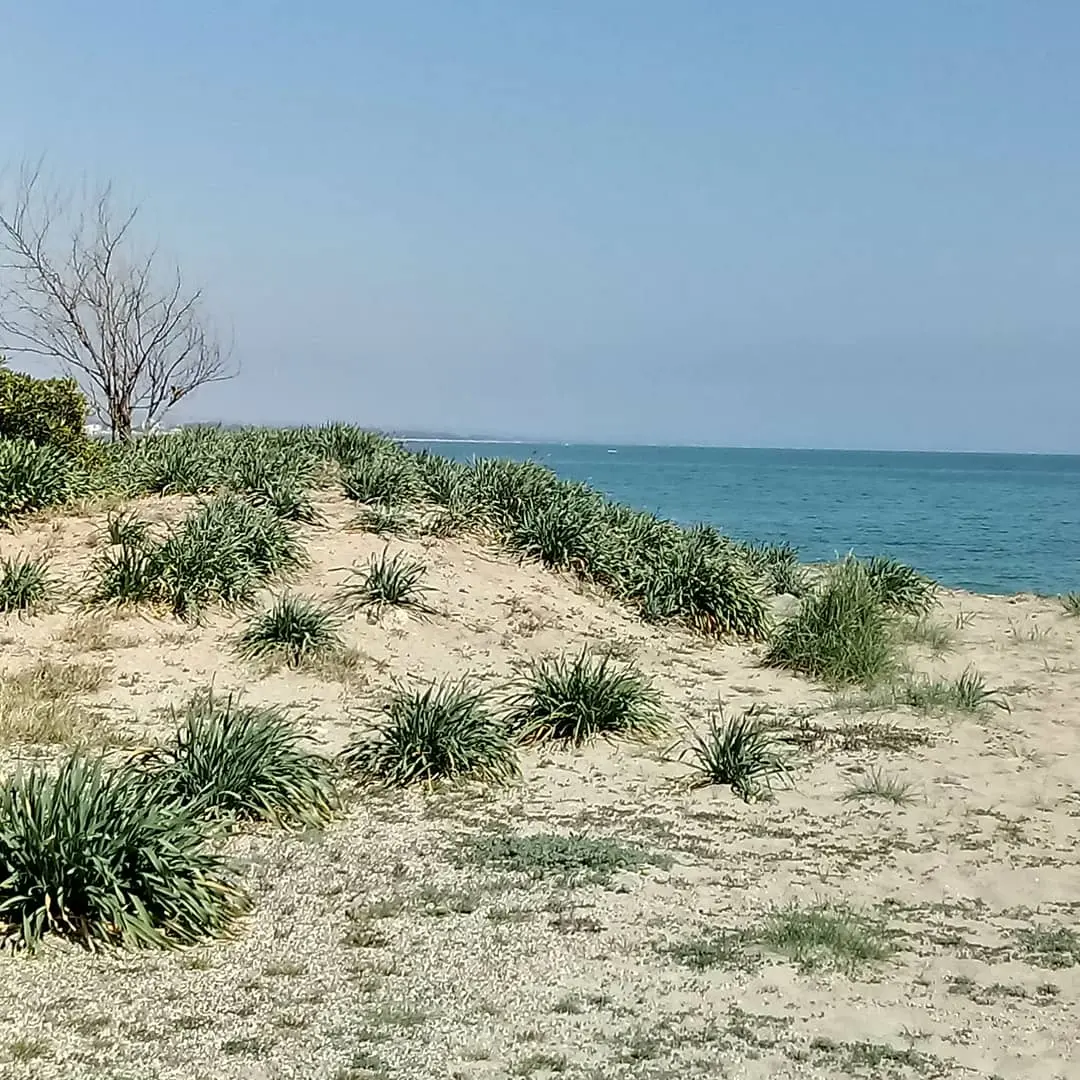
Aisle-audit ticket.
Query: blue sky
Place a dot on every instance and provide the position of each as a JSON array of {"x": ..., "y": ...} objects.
[{"x": 773, "y": 223}]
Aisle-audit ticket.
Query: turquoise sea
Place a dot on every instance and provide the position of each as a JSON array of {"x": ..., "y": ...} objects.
[{"x": 995, "y": 523}]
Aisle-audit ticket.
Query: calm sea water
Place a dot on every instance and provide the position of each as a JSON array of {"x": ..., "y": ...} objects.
[{"x": 999, "y": 523}]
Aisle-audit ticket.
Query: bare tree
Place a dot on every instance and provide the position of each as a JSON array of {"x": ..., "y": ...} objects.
[{"x": 75, "y": 289}]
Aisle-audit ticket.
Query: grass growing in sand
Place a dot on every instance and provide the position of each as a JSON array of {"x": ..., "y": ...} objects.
[
  {"x": 26, "y": 584},
  {"x": 739, "y": 752},
  {"x": 444, "y": 732},
  {"x": 295, "y": 630},
  {"x": 574, "y": 701},
  {"x": 244, "y": 762},
  {"x": 387, "y": 581},
  {"x": 89, "y": 854}
]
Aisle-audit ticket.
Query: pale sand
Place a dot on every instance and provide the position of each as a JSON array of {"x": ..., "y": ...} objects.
[{"x": 469, "y": 974}]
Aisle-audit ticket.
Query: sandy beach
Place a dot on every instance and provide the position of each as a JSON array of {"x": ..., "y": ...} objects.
[{"x": 390, "y": 945}]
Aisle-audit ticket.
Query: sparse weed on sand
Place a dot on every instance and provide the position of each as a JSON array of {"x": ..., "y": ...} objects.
[
  {"x": 739, "y": 752},
  {"x": 387, "y": 581},
  {"x": 877, "y": 784},
  {"x": 1070, "y": 604}
]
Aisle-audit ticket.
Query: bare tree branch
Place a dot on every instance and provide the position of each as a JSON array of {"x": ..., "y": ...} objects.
[{"x": 75, "y": 289}]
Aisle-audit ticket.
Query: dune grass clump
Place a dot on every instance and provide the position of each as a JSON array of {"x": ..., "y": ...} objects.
[
  {"x": 387, "y": 581},
  {"x": 696, "y": 580},
  {"x": 386, "y": 478},
  {"x": 279, "y": 482},
  {"x": 35, "y": 478},
  {"x": 222, "y": 552},
  {"x": 294, "y": 629},
  {"x": 383, "y": 521},
  {"x": 444, "y": 732},
  {"x": 1070, "y": 604},
  {"x": 968, "y": 692},
  {"x": 739, "y": 753},
  {"x": 125, "y": 528},
  {"x": 26, "y": 583},
  {"x": 559, "y": 528},
  {"x": 778, "y": 568},
  {"x": 901, "y": 588},
  {"x": 90, "y": 854},
  {"x": 242, "y": 762},
  {"x": 574, "y": 701},
  {"x": 841, "y": 633}
]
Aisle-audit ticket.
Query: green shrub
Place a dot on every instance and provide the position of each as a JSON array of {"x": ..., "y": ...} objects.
[
  {"x": 575, "y": 701},
  {"x": 294, "y": 629},
  {"x": 35, "y": 478},
  {"x": 841, "y": 633},
  {"x": 46, "y": 412},
  {"x": 25, "y": 583},
  {"x": 90, "y": 854},
  {"x": 244, "y": 762},
  {"x": 740, "y": 752},
  {"x": 444, "y": 732},
  {"x": 901, "y": 588},
  {"x": 387, "y": 581},
  {"x": 778, "y": 567}
]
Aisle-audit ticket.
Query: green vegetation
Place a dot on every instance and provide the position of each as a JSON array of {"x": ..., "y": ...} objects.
[
  {"x": 387, "y": 581},
  {"x": 875, "y": 784},
  {"x": 243, "y": 762},
  {"x": 92, "y": 855},
  {"x": 444, "y": 732},
  {"x": 1070, "y": 603},
  {"x": 739, "y": 752},
  {"x": 45, "y": 412},
  {"x": 295, "y": 630},
  {"x": 573, "y": 859},
  {"x": 578, "y": 700},
  {"x": 841, "y": 633},
  {"x": 223, "y": 551},
  {"x": 900, "y": 588},
  {"x": 35, "y": 478},
  {"x": 25, "y": 583}
]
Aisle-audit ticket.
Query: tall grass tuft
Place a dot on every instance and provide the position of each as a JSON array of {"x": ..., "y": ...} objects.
[
  {"x": 387, "y": 581},
  {"x": 244, "y": 762},
  {"x": 223, "y": 552},
  {"x": 1070, "y": 603},
  {"x": 26, "y": 583},
  {"x": 90, "y": 854},
  {"x": 740, "y": 753},
  {"x": 574, "y": 701},
  {"x": 841, "y": 632},
  {"x": 901, "y": 588},
  {"x": 444, "y": 732},
  {"x": 559, "y": 529},
  {"x": 696, "y": 580},
  {"x": 35, "y": 478},
  {"x": 385, "y": 478},
  {"x": 294, "y": 629},
  {"x": 778, "y": 568}
]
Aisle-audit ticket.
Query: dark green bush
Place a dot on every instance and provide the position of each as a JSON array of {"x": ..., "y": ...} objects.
[
  {"x": 91, "y": 854},
  {"x": 444, "y": 732},
  {"x": 46, "y": 412},
  {"x": 575, "y": 701}
]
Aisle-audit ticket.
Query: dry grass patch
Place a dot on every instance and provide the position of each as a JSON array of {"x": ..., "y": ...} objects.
[{"x": 38, "y": 704}]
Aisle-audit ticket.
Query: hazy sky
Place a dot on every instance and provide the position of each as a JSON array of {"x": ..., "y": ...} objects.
[{"x": 756, "y": 223}]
